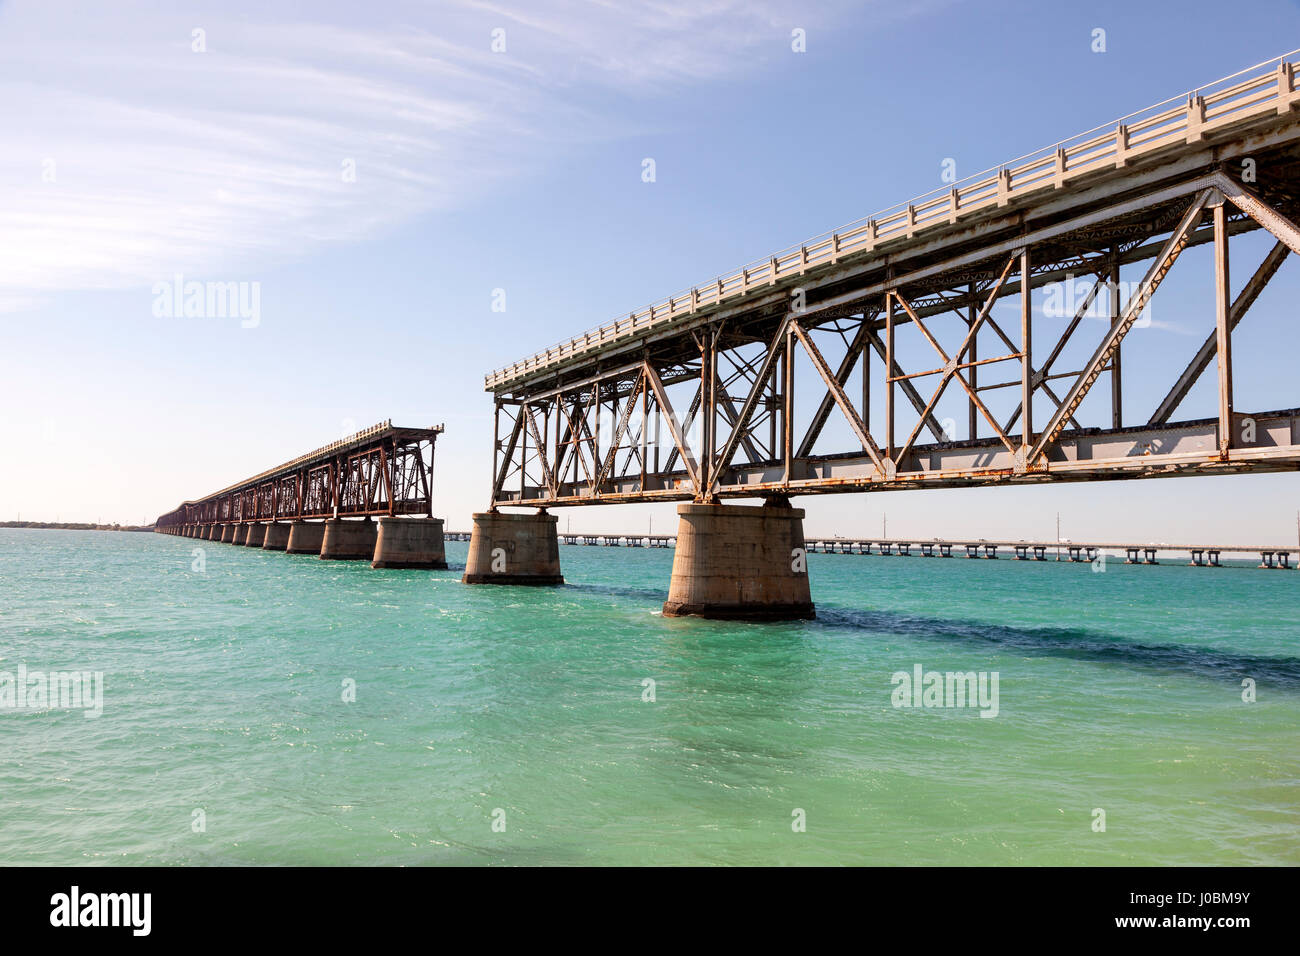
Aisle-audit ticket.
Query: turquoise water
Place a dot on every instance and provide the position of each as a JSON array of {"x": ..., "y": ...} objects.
[{"x": 224, "y": 693}]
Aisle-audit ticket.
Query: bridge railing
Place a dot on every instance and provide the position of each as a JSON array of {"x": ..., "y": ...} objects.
[{"x": 1265, "y": 88}]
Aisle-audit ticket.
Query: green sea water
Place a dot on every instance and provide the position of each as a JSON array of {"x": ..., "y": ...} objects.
[{"x": 225, "y": 681}]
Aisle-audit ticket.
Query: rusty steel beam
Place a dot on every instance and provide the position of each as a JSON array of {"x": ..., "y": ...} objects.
[
  {"x": 1160, "y": 267},
  {"x": 877, "y": 290},
  {"x": 1240, "y": 306},
  {"x": 842, "y": 400}
]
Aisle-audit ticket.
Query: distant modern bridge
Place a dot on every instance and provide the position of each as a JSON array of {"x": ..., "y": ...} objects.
[
  {"x": 693, "y": 398},
  {"x": 1202, "y": 555}
]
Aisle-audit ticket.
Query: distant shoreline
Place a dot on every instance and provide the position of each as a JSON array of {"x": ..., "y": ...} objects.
[{"x": 73, "y": 526}]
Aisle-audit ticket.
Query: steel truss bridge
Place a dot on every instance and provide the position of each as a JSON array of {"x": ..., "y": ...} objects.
[
  {"x": 381, "y": 470},
  {"x": 591, "y": 421}
]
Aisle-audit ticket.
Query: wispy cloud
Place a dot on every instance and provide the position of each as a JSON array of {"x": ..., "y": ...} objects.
[{"x": 132, "y": 154}]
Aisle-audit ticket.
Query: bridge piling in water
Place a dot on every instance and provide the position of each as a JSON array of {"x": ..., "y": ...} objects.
[
  {"x": 409, "y": 543},
  {"x": 305, "y": 537},
  {"x": 514, "y": 549},
  {"x": 277, "y": 536},
  {"x": 346, "y": 540},
  {"x": 739, "y": 562}
]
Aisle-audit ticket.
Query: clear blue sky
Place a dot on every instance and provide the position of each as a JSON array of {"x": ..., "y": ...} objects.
[{"x": 132, "y": 155}]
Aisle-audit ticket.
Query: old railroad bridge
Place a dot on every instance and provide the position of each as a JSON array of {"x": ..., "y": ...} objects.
[{"x": 693, "y": 399}]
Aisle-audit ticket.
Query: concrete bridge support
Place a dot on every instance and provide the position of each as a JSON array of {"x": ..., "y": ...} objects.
[
  {"x": 277, "y": 536},
  {"x": 514, "y": 549},
  {"x": 348, "y": 540},
  {"x": 228, "y": 533},
  {"x": 409, "y": 543},
  {"x": 739, "y": 562},
  {"x": 255, "y": 535},
  {"x": 305, "y": 537}
]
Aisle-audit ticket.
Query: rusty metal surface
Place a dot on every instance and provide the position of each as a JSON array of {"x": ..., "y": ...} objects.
[{"x": 381, "y": 470}]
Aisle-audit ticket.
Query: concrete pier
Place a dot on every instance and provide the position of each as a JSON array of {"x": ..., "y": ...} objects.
[
  {"x": 409, "y": 543},
  {"x": 513, "y": 549},
  {"x": 346, "y": 540},
  {"x": 305, "y": 537},
  {"x": 277, "y": 536},
  {"x": 739, "y": 562},
  {"x": 255, "y": 535},
  {"x": 228, "y": 533}
]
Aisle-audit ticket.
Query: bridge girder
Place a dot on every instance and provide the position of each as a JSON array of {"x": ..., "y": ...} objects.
[{"x": 608, "y": 431}]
